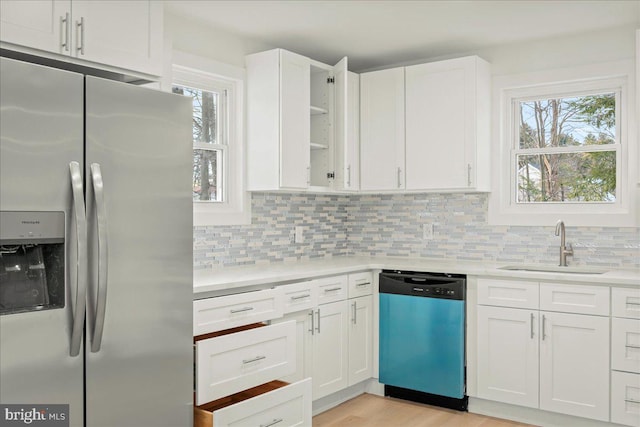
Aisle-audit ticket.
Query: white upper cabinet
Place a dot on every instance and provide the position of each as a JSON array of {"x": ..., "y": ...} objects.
[
  {"x": 347, "y": 93},
  {"x": 300, "y": 122},
  {"x": 447, "y": 125},
  {"x": 382, "y": 130},
  {"x": 113, "y": 35}
]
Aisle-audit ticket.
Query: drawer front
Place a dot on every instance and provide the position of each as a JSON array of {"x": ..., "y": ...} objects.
[
  {"x": 285, "y": 407},
  {"x": 360, "y": 284},
  {"x": 508, "y": 293},
  {"x": 625, "y": 302},
  {"x": 625, "y": 344},
  {"x": 299, "y": 296},
  {"x": 231, "y": 363},
  {"x": 575, "y": 299},
  {"x": 331, "y": 289},
  {"x": 625, "y": 398},
  {"x": 220, "y": 313}
]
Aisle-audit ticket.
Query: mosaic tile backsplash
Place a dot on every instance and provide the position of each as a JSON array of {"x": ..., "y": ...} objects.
[{"x": 378, "y": 225}]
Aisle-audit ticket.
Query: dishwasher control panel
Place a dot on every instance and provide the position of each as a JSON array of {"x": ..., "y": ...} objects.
[{"x": 431, "y": 285}]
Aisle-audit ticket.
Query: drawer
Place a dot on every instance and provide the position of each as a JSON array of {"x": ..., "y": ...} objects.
[
  {"x": 360, "y": 284},
  {"x": 276, "y": 404},
  {"x": 220, "y": 313},
  {"x": 234, "y": 362},
  {"x": 625, "y": 344},
  {"x": 299, "y": 296},
  {"x": 331, "y": 289},
  {"x": 574, "y": 298},
  {"x": 508, "y": 293},
  {"x": 625, "y": 398},
  {"x": 625, "y": 302}
]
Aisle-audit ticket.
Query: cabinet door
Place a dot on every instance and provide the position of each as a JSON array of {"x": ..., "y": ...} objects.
[
  {"x": 382, "y": 130},
  {"x": 295, "y": 127},
  {"x": 440, "y": 102},
  {"x": 41, "y": 24},
  {"x": 347, "y": 122},
  {"x": 625, "y": 398},
  {"x": 574, "y": 365},
  {"x": 304, "y": 342},
  {"x": 508, "y": 355},
  {"x": 125, "y": 34},
  {"x": 360, "y": 339},
  {"x": 330, "y": 349}
]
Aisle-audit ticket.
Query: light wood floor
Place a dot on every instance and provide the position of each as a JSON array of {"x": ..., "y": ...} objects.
[{"x": 369, "y": 410}]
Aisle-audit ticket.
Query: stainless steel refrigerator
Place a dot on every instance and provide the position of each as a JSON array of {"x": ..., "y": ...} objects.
[{"x": 96, "y": 248}]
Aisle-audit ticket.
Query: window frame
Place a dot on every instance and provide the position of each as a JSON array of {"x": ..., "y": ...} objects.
[
  {"x": 508, "y": 91},
  {"x": 206, "y": 74}
]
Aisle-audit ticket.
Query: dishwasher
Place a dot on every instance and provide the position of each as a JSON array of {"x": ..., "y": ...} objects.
[{"x": 422, "y": 337}]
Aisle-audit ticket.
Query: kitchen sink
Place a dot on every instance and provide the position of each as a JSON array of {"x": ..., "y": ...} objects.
[{"x": 554, "y": 269}]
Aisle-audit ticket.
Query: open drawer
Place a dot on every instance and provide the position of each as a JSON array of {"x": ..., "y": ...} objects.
[
  {"x": 238, "y": 359},
  {"x": 276, "y": 404}
]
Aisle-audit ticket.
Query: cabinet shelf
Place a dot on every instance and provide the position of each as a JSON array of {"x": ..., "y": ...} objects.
[
  {"x": 315, "y": 146},
  {"x": 318, "y": 111}
]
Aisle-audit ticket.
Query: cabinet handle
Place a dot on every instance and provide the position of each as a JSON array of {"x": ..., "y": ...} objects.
[
  {"x": 308, "y": 175},
  {"x": 468, "y": 174},
  {"x": 399, "y": 173},
  {"x": 632, "y": 303},
  {"x": 532, "y": 318},
  {"x": 349, "y": 176},
  {"x": 255, "y": 359},
  {"x": 355, "y": 313},
  {"x": 632, "y": 346},
  {"x": 544, "y": 321},
  {"x": 333, "y": 289},
  {"x": 80, "y": 38},
  {"x": 301, "y": 297},
  {"x": 312, "y": 322},
  {"x": 64, "y": 28},
  {"x": 272, "y": 423},
  {"x": 632, "y": 401},
  {"x": 240, "y": 310},
  {"x": 363, "y": 284},
  {"x": 318, "y": 327}
]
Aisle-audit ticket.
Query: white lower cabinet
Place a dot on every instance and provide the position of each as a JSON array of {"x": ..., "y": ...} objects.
[
  {"x": 360, "y": 339},
  {"x": 330, "y": 349},
  {"x": 543, "y": 359},
  {"x": 508, "y": 355},
  {"x": 334, "y": 341},
  {"x": 625, "y": 398},
  {"x": 574, "y": 365},
  {"x": 625, "y": 356}
]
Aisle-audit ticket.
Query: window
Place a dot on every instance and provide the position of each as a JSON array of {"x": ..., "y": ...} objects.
[
  {"x": 563, "y": 147},
  {"x": 210, "y": 140},
  {"x": 216, "y": 91}
]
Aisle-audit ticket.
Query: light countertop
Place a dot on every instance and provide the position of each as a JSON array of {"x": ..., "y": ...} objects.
[{"x": 225, "y": 280}]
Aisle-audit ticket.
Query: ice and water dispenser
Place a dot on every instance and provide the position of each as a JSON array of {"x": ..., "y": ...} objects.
[{"x": 31, "y": 261}]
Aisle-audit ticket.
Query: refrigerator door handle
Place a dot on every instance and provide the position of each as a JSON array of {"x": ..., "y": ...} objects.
[
  {"x": 80, "y": 218},
  {"x": 101, "y": 301}
]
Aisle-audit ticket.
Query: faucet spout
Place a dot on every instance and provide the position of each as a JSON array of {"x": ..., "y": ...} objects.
[{"x": 565, "y": 249}]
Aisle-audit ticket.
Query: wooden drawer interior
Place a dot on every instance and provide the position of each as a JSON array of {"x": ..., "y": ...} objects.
[
  {"x": 228, "y": 331},
  {"x": 203, "y": 414}
]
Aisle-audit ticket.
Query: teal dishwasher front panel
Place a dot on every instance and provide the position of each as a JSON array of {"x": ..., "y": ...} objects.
[{"x": 422, "y": 344}]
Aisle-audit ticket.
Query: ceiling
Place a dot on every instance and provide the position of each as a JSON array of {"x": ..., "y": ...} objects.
[{"x": 375, "y": 33}]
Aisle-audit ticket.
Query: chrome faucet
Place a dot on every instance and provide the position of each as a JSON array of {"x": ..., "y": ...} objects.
[{"x": 565, "y": 249}]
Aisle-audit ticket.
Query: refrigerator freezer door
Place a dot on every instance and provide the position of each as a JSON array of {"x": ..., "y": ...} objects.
[
  {"x": 140, "y": 373},
  {"x": 41, "y": 132}
]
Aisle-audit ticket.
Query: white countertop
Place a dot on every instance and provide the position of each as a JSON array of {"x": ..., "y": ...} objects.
[{"x": 225, "y": 280}]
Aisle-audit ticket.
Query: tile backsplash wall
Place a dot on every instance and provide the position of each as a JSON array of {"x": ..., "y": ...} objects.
[{"x": 338, "y": 225}]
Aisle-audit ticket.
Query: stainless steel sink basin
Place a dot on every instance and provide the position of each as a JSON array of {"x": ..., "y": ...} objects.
[{"x": 554, "y": 269}]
